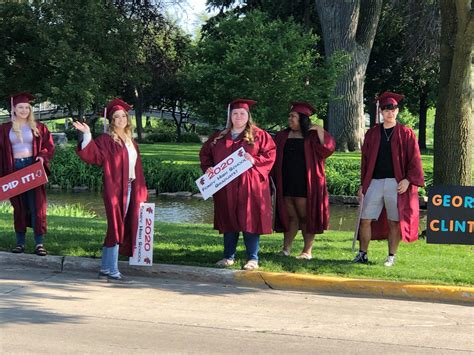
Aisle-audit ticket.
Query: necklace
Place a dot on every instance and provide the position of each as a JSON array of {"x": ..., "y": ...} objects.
[{"x": 389, "y": 135}]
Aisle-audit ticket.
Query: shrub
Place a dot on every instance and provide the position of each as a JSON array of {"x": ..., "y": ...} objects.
[
  {"x": 189, "y": 138},
  {"x": 165, "y": 137},
  {"x": 67, "y": 171},
  {"x": 342, "y": 177}
]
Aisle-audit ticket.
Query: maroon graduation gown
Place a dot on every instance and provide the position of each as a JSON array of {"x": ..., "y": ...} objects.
[
  {"x": 43, "y": 146},
  {"x": 113, "y": 158},
  {"x": 244, "y": 205},
  {"x": 406, "y": 165},
  {"x": 317, "y": 201}
]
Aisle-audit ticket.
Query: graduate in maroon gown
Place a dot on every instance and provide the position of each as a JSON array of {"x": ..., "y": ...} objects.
[
  {"x": 302, "y": 201},
  {"x": 244, "y": 205},
  {"x": 391, "y": 173},
  {"x": 124, "y": 184},
  {"x": 23, "y": 141}
]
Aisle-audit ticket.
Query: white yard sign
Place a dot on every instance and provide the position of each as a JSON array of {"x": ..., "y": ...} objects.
[
  {"x": 143, "y": 251},
  {"x": 224, "y": 172}
]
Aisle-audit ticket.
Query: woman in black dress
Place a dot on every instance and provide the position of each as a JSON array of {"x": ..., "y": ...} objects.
[{"x": 302, "y": 198}]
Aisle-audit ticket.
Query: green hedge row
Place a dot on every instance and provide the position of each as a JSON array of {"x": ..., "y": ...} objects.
[
  {"x": 343, "y": 177},
  {"x": 68, "y": 171}
]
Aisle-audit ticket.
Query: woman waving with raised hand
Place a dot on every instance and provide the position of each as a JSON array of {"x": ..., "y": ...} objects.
[{"x": 124, "y": 183}]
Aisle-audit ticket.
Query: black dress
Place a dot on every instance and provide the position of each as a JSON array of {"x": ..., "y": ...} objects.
[{"x": 294, "y": 168}]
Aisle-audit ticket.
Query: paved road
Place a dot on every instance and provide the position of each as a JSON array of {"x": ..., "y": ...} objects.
[{"x": 45, "y": 312}]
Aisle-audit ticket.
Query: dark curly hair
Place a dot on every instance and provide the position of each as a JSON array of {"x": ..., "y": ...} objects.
[{"x": 305, "y": 124}]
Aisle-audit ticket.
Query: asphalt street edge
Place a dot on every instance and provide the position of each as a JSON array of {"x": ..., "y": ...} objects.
[{"x": 261, "y": 279}]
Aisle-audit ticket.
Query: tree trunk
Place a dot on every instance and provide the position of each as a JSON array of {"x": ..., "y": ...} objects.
[
  {"x": 178, "y": 123},
  {"x": 423, "y": 110},
  {"x": 453, "y": 124},
  {"x": 372, "y": 113},
  {"x": 349, "y": 26},
  {"x": 138, "y": 113}
]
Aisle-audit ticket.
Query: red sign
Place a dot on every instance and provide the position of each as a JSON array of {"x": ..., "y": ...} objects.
[{"x": 22, "y": 180}]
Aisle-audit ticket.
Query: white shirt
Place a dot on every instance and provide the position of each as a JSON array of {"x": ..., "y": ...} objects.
[{"x": 132, "y": 154}]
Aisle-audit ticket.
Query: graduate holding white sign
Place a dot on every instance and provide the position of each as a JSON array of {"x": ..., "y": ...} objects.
[
  {"x": 124, "y": 183},
  {"x": 244, "y": 204}
]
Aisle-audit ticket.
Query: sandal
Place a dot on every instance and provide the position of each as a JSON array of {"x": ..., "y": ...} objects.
[
  {"x": 19, "y": 249},
  {"x": 304, "y": 256},
  {"x": 225, "y": 262},
  {"x": 251, "y": 265},
  {"x": 40, "y": 251}
]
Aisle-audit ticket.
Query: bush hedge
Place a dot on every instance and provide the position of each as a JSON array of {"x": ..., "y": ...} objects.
[
  {"x": 343, "y": 176},
  {"x": 68, "y": 171}
]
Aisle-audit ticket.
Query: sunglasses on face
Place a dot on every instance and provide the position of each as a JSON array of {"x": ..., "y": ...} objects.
[{"x": 389, "y": 107}]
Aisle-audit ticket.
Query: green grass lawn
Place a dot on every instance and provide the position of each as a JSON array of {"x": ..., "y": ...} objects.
[
  {"x": 181, "y": 153},
  {"x": 188, "y": 153},
  {"x": 200, "y": 245}
]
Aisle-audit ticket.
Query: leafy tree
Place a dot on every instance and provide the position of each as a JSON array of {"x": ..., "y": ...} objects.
[
  {"x": 405, "y": 58},
  {"x": 253, "y": 56},
  {"x": 86, "y": 42},
  {"x": 158, "y": 53},
  {"x": 22, "y": 66}
]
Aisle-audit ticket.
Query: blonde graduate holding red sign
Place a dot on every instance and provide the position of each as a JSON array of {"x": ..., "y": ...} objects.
[
  {"x": 244, "y": 205},
  {"x": 23, "y": 141},
  {"x": 124, "y": 183}
]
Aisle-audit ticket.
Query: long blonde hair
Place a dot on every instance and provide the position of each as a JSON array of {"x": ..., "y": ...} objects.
[
  {"x": 16, "y": 128},
  {"x": 128, "y": 130},
  {"x": 248, "y": 132}
]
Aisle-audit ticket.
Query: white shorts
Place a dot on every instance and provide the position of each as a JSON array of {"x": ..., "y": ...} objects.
[{"x": 381, "y": 192}]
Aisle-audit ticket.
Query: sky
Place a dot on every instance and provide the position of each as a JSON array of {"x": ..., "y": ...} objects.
[{"x": 187, "y": 14}]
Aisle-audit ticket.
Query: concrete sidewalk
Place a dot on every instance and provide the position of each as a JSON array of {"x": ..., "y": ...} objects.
[
  {"x": 280, "y": 281},
  {"x": 49, "y": 312}
]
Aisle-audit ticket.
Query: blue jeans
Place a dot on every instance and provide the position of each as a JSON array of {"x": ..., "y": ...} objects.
[
  {"x": 251, "y": 241},
  {"x": 109, "y": 262},
  {"x": 29, "y": 200}
]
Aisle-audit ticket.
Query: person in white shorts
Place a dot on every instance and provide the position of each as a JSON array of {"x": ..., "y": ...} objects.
[{"x": 390, "y": 175}]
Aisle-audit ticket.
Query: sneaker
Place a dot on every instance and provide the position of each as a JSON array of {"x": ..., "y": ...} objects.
[
  {"x": 390, "y": 261},
  {"x": 361, "y": 258},
  {"x": 118, "y": 279},
  {"x": 19, "y": 249},
  {"x": 103, "y": 275},
  {"x": 225, "y": 262}
]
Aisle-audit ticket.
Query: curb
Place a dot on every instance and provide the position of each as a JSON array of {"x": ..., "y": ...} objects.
[
  {"x": 375, "y": 288},
  {"x": 164, "y": 271},
  {"x": 51, "y": 262},
  {"x": 260, "y": 279}
]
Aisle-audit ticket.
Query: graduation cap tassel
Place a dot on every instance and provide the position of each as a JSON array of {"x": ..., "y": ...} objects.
[
  {"x": 105, "y": 120},
  {"x": 228, "y": 117},
  {"x": 377, "y": 114},
  {"x": 11, "y": 108}
]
